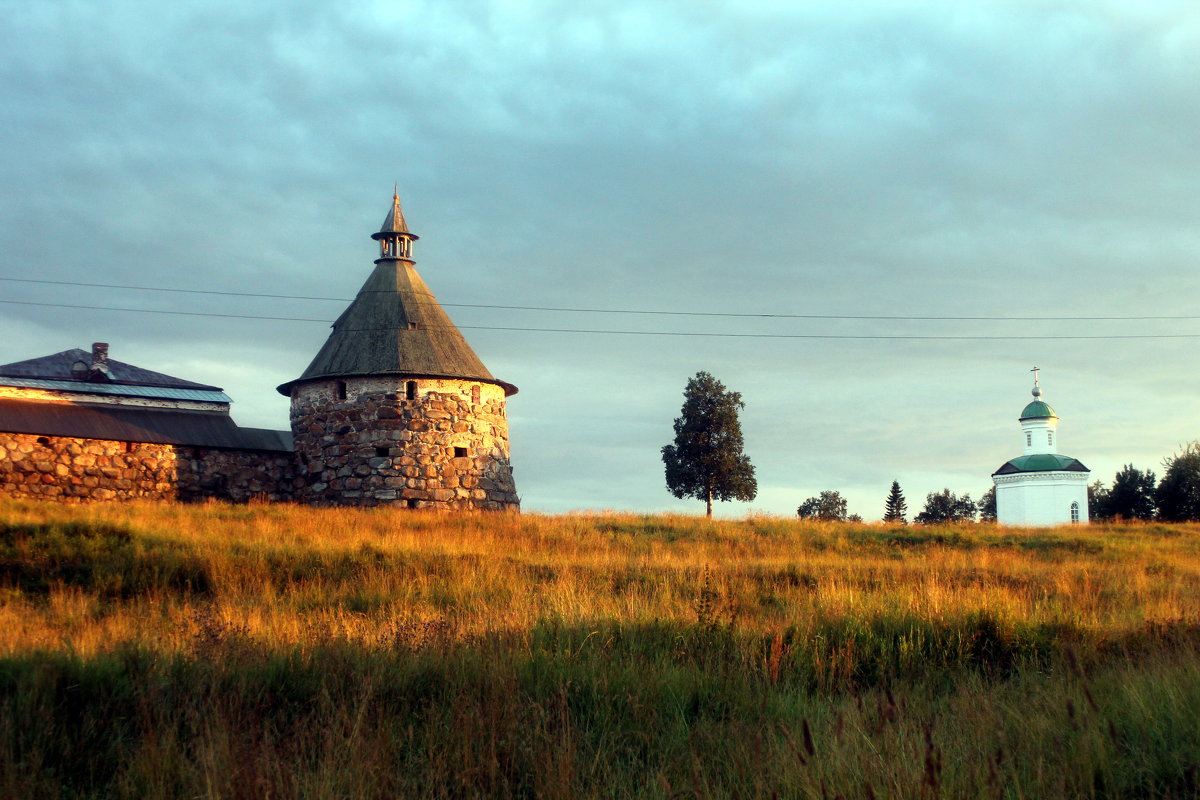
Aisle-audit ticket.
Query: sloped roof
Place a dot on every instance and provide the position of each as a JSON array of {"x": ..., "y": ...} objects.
[
  {"x": 395, "y": 326},
  {"x": 58, "y": 367},
  {"x": 132, "y": 424},
  {"x": 394, "y": 221},
  {"x": 1041, "y": 462},
  {"x": 85, "y": 387}
]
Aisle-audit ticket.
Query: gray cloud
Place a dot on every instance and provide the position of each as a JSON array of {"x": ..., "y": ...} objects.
[{"x": 891, "y": 158}]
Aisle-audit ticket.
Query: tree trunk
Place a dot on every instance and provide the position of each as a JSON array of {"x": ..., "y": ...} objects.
[{"x": 708, "y": 503}]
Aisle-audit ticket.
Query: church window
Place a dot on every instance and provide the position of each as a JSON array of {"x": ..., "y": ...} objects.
[
  {"x": 381, "y": 452},
  {"x": 1049, "y": 437},
  {"x": 410, "y": 390},
  {"x": 341, "y": 390},
  {"x": 43, "y": 441},
  {"x": 475, "y": 395},
  {"x": 1028, "y": 439},
  {"x": 1075, "y": 512},
  {"x": 460, "y": 452},
  {"x": 412, "y": 326}
]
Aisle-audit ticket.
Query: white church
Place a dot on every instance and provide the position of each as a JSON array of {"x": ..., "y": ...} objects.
[{"x": 1041, "y": 487}]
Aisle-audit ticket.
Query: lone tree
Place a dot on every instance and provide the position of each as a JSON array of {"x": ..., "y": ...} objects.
[
  {"x": 706, "y": 460},
  {"x": 1178, "y": 493},
  {"x": 829, "y": 507},
  {"x": 945, "y": 506},
  {"x": 895, "y": 508}
]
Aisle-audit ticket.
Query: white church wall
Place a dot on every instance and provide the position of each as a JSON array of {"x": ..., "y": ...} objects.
[{"x": 1040, "y": 498}]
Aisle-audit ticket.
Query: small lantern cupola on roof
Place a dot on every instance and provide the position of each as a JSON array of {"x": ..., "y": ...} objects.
[
  {"x": 1039, "y": 423},
  {"x": 395, "y": 240}
]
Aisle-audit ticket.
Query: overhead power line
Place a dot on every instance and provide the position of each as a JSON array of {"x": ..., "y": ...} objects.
[
  {"x": 710, "y": 334},
  {"x": 579, "y": 310}
]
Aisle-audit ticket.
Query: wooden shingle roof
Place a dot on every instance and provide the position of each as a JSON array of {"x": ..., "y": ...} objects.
[
  {"x": 394, "y": 221},
  {"x": 396, "y": 327}
]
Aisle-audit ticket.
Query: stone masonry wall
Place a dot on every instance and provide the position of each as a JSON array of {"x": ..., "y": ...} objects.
[
  {"x": 79, "y": 470},
  {"x": 365, "y": 441}
]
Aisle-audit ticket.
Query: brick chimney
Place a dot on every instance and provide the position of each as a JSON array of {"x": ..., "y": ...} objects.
[{"x": 99, "y": 369}]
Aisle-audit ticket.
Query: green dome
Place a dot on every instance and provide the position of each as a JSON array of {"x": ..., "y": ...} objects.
[
  {"x": 1038, "y": 410},
  {"x": 1042, "y": 462}
]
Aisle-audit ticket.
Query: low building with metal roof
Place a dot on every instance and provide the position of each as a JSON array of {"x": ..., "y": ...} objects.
[{"x": 76, "y": 425}]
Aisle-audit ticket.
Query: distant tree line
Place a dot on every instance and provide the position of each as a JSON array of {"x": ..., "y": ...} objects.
[
  {"x": 705, "y": 461},
  {"x": 1135, "y": 495}
]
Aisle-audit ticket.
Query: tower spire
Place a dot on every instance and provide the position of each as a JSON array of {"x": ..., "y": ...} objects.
[
  {"x": 1037, "y": 390},
  {"x": 395, "y": 239}
]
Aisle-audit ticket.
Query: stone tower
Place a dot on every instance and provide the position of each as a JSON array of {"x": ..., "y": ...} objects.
[{"x": 396, "y": 408}]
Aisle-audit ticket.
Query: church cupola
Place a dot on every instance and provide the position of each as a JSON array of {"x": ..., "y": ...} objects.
[
  {"x": 1039, "y": 423},
  {"x": 395, "y": 240},
  {"x": 1041, "y": 487}
]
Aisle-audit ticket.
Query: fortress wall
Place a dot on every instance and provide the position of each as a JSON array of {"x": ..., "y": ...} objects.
[
  {"x": 443, "y": 447},
  {"x": 79, "y": 470}
]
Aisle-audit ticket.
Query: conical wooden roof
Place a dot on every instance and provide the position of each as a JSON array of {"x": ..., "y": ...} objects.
[
  {"x": 394, "y": 221},
  {"x": 396, "y": 327}
]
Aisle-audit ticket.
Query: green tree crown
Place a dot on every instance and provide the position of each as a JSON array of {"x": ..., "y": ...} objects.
[
  {"x": 987, "y": 506},
  {"x": 706, "y": 459},
  {"x": 1132, "y": 496},
  {"x": 945, "y": 506},
  {"x": 829, "y": 506},
  {"x": 1178, "y": 494}
]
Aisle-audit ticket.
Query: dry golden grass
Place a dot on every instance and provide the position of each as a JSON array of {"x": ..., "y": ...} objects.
[{"x": 342, "y": 652}]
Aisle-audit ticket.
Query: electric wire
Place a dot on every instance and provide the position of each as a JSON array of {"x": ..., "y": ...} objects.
[
  {"x": 648, "y": 312},
  {"x": 709, "y": 334}
]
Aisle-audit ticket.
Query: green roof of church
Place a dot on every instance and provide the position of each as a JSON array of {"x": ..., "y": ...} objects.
[
  {"x": 1038, "y": 410},
  {"x": 1042, "y": 462}
]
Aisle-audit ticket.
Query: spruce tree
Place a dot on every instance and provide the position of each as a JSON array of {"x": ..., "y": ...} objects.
[
  {"x": 706, "y": 459},
  {"x": 895, "y": 508}
]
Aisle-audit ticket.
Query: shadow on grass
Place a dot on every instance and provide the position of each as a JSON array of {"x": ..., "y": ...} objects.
[{"x": 98, "y": 557}]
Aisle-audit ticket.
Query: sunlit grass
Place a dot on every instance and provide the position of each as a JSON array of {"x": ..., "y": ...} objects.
[{"x": 225, "y": 651}]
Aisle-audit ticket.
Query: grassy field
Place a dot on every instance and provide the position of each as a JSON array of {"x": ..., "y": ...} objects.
[{"x": 211, "y": 651}]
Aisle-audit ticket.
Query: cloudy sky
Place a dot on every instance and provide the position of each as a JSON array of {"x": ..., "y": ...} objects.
[{"x": 838, "y": 162}]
